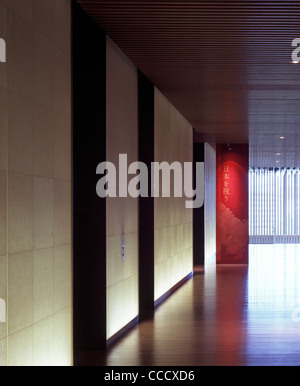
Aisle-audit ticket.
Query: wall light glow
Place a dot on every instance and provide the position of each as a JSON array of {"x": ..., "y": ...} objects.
[{"x": 2, "y": 311}]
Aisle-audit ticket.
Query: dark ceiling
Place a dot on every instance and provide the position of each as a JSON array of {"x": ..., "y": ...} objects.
[{"x": 226, "y": 66}]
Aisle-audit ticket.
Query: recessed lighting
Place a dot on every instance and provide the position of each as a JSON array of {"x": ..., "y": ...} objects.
[
  {"x": 281, "y": 137},
  {"x": 295, "y": 61},
  {"x": 278, "y": 154}
]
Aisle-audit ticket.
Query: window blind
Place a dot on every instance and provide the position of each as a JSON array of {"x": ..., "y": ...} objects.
[{"x": 274, "y": 199}]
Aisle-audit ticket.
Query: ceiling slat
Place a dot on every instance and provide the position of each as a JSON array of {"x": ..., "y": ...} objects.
[{"x": 226, "y": 66}]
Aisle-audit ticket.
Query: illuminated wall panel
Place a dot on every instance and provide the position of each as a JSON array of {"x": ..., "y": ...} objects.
[
  {"x": 173, "y": 222},
  {"x": 122, "y": 213},
  {"x": 232, "y": 204},
  {"x": 35, "y": 183}
]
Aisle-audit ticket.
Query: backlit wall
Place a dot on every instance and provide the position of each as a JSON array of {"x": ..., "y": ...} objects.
[
  {"x": 173, "y": 222},
  {"x": 108, "y": 295},
  {"x": 122, "y": 213},
  {"x": 232, "y": 204},
  {"x": 35, "y": 183}
]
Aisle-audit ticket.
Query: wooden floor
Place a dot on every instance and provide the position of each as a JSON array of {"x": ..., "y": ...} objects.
[{"x": 231, "y": 316}]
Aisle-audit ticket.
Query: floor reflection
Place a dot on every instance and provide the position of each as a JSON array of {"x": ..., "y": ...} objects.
[
  {"x": 273, "y": 333},
  {"x": 231, "y": 316}
]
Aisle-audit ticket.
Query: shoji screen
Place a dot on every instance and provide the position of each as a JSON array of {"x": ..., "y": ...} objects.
[{"x": 274, "y": 205}]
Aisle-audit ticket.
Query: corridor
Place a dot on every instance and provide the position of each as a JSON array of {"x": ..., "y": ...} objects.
[{"x": 234, "y": 316}]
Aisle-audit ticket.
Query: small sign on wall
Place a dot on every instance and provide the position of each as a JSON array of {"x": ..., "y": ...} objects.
[
  {"x": 2, "y": 51},
  {"x": 2, "y": 311},
  {"x": 123, "y": 248}
]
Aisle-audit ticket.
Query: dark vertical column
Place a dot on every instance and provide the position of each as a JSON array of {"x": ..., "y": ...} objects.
[
  {"x": 146, "y": 205},
  {"x": 198, "y": 215},
  {"x": 89, "y": 211}
]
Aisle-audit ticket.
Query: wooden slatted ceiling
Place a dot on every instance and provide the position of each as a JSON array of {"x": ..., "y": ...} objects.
[{"x": 226, "y": 66}]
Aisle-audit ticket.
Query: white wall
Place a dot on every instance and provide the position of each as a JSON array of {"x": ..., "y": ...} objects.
[
  {"x": 35, "y": 183},
  {"x": 173, "y": 222},
  {"x": 122, "y": 213}
]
